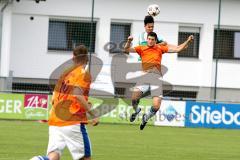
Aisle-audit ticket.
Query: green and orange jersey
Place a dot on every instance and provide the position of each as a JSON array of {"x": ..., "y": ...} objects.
[
  {"x": 65, "y": 107},
  {"x": 151, "y": 56}
]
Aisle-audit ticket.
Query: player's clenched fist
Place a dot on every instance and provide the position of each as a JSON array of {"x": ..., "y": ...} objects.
[
  {"x": 190, "y": 38},
  {"x": 130, "y": 38}
]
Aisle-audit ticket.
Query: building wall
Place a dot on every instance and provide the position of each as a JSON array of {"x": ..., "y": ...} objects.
[
  {"x": 29, "y": 56},
  {"x": 5, "y": 38}
]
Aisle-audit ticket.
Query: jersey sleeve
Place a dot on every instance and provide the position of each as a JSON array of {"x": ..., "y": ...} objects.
[
  {"x": 138, "y": 49},
  {"x": 164, "y": 48}
]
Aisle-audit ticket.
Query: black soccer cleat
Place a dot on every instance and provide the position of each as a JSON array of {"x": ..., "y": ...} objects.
[
  {"x": 134, "y": 115},
  {"x": 144, "y": 121}
]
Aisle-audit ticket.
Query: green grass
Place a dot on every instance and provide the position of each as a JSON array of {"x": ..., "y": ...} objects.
[{"x": 22, "y": 140}]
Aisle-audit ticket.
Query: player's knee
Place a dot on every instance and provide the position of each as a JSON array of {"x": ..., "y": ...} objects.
[
  {"x": 54, "y": 156},
  {"x": 135, "y": 97},
  {"x": 156, "y": 102},
  {"x": 136, "y": 94}
]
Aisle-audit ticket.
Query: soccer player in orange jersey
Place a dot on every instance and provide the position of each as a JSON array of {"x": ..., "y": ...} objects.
[
  {"x": 68, "y": 115},
  {"x": 151, "y": 55}
]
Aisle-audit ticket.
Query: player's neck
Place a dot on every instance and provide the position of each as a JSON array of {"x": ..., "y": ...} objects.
[
  {"x": 151, "y": 46},
  {"x": 80, "y": 64}
]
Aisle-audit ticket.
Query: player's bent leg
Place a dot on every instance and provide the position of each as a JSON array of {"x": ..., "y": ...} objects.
[
  {"x": 152, "y": 112},
  {"x": 157, "y": 102},
  {"x": 137, "y": 94},
  {"x": 135, "y": 101}
]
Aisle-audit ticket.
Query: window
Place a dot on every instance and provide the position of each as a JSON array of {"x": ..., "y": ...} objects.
[
  {"x": 31, "y": 87},
  {"x": 193, "y": 48},
  {"x": 120, "y": 91},
  {"x": 179, "y": 94},
  {"x": 227, "y": 44},
  {"x": 65, "y": 35},
  {"x": 118, "y": 36}
]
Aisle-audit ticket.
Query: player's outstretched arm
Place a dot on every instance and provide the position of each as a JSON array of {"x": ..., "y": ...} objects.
[
  {"x": 127, "y": 47},
  {"x": 179, "y": 48}
]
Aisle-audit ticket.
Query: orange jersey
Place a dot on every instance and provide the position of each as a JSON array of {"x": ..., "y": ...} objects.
[
  {"x": 65, "y": 108},
  {"x": 151, "y": 56}
]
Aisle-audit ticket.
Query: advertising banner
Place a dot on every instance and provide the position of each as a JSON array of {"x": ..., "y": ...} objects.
[
  {"x": 116, "y": 110},
  {"x": 212, "y": 115},
  {"x": 36, "y": 106},
  {"x": 12, "y": 106},
  {"x": 20, "y": 106},
  {"x": 171, "y": 113},
  {"x": 120, "y": 111}
]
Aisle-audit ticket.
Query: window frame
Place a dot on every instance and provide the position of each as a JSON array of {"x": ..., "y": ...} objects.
[
  {"x": 72, "y": 20},
  {"x": 192, "y": 30},
  {"x": 230, "y": 29},
  {"x": 113, "y": 44}
]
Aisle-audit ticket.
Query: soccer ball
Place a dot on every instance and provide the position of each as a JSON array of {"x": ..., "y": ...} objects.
[{"x": 153, "y": 10}]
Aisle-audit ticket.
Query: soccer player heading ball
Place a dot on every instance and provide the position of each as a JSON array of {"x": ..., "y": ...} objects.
[{"x": 151, "y": 55}]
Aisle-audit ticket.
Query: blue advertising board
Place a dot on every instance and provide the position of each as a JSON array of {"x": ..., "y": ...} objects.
[{"x": 212, "y": 115}]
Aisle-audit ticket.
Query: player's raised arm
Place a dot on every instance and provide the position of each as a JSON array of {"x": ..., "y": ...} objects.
[
  {"x": 179, "y": 48},
  {"x": 127, "y": 47}
]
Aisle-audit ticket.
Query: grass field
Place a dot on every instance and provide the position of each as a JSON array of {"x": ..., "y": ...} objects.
[{"x": 21, "y": 140}]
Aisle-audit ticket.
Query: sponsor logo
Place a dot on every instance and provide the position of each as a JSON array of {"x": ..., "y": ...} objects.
[
  {"x": 202, "y": 114},
  {"x": 31, "y": 113},
  {"x": 36, "y": 101},
  {"x": 170, "y": 113},
  {"x": 212, "y": 115}
]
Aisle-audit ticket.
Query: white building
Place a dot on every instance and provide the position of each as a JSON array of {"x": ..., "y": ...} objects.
[{"x": 33, "y": 43}]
